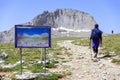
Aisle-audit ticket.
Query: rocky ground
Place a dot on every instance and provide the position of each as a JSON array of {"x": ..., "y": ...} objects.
[{"x": 83, "y": 68}]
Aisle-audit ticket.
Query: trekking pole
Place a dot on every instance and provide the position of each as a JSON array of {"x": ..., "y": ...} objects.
[
  {"x": 100, "y": 48},
  {"x": 90, "y": 49}
]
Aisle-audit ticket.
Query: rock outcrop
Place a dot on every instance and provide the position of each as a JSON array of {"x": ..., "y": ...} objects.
[
  {"x": 7, "y": 36},
  {"x": 66, "y": 18}
]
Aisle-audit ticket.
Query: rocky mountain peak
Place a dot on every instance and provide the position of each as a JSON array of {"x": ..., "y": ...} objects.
[
  {"x": 64, "y": 22},
  {"x": 67, "y": 18}
]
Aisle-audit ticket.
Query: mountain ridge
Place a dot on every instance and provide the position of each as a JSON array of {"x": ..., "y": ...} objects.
[{"x": 64, "y": 22}]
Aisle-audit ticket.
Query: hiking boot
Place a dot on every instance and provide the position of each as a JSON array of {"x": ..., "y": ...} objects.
[{"x": 95, "y": 56}]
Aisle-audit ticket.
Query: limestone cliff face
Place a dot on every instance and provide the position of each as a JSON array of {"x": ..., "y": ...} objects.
[
  {"x": 67, "y": 18},
  {"x": 7, "y": 36},
  {"x": 64, "y": 22}
]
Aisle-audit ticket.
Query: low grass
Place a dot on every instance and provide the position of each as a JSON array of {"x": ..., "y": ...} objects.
[
  {"x": 82, "y": 42},
  {"x": 112, "y": 44},
  {"x": 117, "y": 61},
  {"x": 53, "y": 77}
]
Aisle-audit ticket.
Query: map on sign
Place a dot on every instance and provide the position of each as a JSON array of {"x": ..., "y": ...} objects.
[{"x": 27, "y": 36}]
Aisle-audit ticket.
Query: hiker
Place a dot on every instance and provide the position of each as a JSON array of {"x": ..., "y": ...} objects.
[
  {"x": 112, "y": 31},
  {"x": 96, "y": 39}
]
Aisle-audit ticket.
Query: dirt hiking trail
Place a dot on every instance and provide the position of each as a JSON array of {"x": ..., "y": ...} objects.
[{"x": 83, "y": 68}]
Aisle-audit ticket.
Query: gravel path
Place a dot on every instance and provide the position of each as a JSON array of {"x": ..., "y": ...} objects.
[{"x": 83, "y": 68}]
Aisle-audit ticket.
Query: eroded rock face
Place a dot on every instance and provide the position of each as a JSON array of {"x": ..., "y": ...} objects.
[
  {"x": 64, "y": 22},
  {"x": 7, "y": 36},
  {"x": 67, "y": 18}
]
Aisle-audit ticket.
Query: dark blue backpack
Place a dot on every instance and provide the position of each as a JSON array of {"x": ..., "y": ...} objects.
[{"x": 95, "y": 34}]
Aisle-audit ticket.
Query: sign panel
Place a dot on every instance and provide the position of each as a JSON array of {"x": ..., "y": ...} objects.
[{"x": 27, "y": 36}]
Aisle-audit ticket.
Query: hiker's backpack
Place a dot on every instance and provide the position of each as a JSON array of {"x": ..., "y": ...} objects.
[{"x": 96, "y": 33}]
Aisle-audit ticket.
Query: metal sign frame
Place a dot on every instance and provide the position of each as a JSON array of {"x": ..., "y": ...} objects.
[{"x": 29, "y": 36}]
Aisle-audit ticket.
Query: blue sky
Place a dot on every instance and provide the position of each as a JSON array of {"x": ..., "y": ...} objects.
[
  {"x": 32, "y": 31},
  {"x": 105, "y": 12}
]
